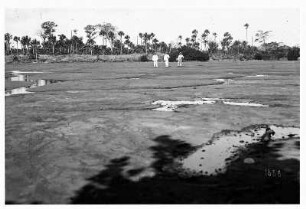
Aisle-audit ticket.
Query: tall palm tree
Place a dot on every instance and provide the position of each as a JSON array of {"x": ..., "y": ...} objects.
[
  {"x": 187, "y": 41},
  {"x": 52, "y": 40},
  {"x": 121, "y": 33},
  {"x": 61, "y": 42},
  {"x": 103, "y": 34},
  {"x": 261, "y": 36},
  {"x": 111, "y": 37},
  {"x": 91, "y": 32},
  {"x": 163, "y": 47},
  {"x": 25, "y": 41},
  {"x": 246, "y": 31},
  {"x": 141, "y": 37},
  {"x": 204, "y": 37},
  {"x": 180, "y": 37},
  {"x": 7, "y": 38},
  {"x": 151, "y": 36},
  {"x": 109, "y": 32},
  {"x": 155, "y": 41},
  {"x": 226, "y": 41},
  {"x": 146, "y": 37},
  {"x": 34, "y": 43},
  {"x": 194, "y": 37},
  {"x": 17, "y": 39},
  {"x": 215, "y": 35}
]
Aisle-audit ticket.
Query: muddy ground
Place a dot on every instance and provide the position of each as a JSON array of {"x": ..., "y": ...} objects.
[{"x": 95, "y": 136}]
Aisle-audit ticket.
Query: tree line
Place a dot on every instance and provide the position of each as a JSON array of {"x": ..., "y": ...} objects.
[{"x": 118, "y": 42}]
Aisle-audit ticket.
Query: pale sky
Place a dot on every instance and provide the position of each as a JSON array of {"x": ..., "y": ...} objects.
[{"x": 166, "y": 22}]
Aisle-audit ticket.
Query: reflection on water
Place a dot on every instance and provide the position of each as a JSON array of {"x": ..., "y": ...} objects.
[
  {"x": 214, "y": 156},
  {"x": 173, "y": 105},
  {"x": 21, "y": 90},
  {"x": 17, "y": 78},
  {"x": 25, "y": 78}
]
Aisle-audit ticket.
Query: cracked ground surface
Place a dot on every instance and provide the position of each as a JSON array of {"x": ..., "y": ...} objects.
[{"x": 57, "y": 138}]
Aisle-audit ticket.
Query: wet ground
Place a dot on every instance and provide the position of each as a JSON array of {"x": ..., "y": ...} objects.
[{"x": 92, "y": 133}]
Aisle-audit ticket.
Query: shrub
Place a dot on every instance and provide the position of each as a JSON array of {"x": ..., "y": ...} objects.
[
  {"x": 293, "y": 53},
  {"x": 15, "y": 58},
  {"x": 144, "y": 58},
  {"x": 258, "y": 56},
  {"x": 190, "y": 54}
]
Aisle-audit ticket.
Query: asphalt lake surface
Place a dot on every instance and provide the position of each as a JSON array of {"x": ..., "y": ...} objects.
[{"x": 119, "y": 133}]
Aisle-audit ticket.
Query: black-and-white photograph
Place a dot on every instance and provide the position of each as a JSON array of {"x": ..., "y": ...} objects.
[{"x": 151, "y": 102}]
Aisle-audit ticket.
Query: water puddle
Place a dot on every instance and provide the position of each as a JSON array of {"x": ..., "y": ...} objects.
[
  {"x": 213, "y": 157},
  {"x": 169, "y": 106},
  {"x": 245, "y": 104},
  {"x": 21, "y": 90},
  {"x": 173, "y": 105},
  {"x": 24, "y": 77},
  {"x": 253, "y": 76},
  {"x": 76, "y": 92},
  {"x": 25, "y": 72},
  {"x": 224, "y": 81}
]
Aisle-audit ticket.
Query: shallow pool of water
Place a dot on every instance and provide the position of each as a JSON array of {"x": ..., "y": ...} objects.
[
  {"x": 214, "y": 156},
  {"x": 253, "y": 76},
  {"x": 167, "y": 105},
  {"x": 16, "y": 76}
]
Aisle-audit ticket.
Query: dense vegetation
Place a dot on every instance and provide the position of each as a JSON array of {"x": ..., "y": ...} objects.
[{"x": 197, "y": 47}]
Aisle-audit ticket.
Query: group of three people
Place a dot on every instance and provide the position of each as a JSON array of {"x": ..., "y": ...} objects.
[{"x": 166, "y": 60}]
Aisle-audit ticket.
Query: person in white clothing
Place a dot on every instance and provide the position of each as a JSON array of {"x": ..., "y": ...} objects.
[
  {"x": 180, "y": 59},
  {"x": 155, "y": 59},
  {"x": 166, "y": 59}
]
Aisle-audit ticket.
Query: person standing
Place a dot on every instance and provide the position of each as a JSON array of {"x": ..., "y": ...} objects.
[
  {"x": 155, "y": 60},
  {"x": 166, "y": 59},
  {"x": 180, "y": 59}
]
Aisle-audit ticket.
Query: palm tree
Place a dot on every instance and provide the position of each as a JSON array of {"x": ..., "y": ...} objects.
[
  {"x": 155, "y": 41},
  {"x": 146, "y": 37},
  {"x": 246, "y": 31},
  {"x": 107, "y": 30},
  {"x": 121, "y": 33},
  {"x": 141, "y": 37},
  {"x": 90, "y": 43},
  {"x": 127, "y": 40},
  {"x": 180, "y": 37},
  {"x": 111, "y": 37},
  {"x": 52, "y": 40},
  {"x": 236, "y": 46},
  {"x": 91, "y": 32},
  {"x": 34, "y": 43},
  {"x": 163, "y": 47},
  {"x": 261, "y": 37},
  {"x": 25, "y": 41},
  {"x": 204, "y": 37},
  {"x": 103, "y": 34},
  {"x": 61, "y": 42},
  {"x": 226, "y": 41},
  {"x": 194, "y": 38},
  {"x": 151, "y": 36},
  {"x": 187, "y": 41},
  {"x": 7, "y": 38},
  {"x": 17, "y": 39},
  {"x": 215, "y": 35},
  {"x": 48, "y": 28}
]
